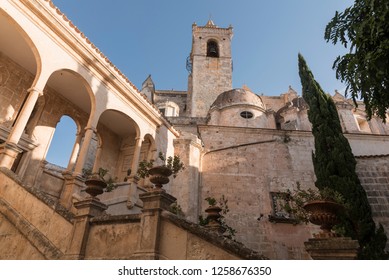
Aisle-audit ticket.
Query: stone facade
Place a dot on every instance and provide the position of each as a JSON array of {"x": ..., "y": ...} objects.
[
  {"x": 28, "y": 232},
  {"x": 233, "y": 142}
]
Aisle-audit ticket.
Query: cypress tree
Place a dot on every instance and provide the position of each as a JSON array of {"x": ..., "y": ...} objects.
[{"x": 334, "y": 166}]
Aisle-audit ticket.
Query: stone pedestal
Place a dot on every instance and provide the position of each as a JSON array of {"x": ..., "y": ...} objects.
[
  {"x": 8, "y": 154},
  {"x": 86, "y": 209},
  {"x": 153, "y": 204},
  {"x": 332, "y": 248},
  {"x": 73, "y": 184},
  {"x": 132, "y": 192}
]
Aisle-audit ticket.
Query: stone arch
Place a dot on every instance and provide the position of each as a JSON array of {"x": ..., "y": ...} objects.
[
  {"x": 169, "y": 109},
  {"x": 74, "y": 87},
  {"x": 120, "y": 135},
  {"x": 19, "y": 46},
  {"x": 66, "y": 92},
  {"x": 148, "y": 149},
  {"x": 20, "y": 63}
]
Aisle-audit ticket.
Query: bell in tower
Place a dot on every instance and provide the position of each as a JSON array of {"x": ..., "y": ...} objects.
[{"x": 212, "y": 49}]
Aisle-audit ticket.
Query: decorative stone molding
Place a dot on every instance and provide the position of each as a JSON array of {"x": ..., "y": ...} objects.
[{"x": 333, "y": 248}]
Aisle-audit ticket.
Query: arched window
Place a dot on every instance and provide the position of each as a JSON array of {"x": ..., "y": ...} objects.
[
  {"x": 212, "y": 49},
  {"x": 62, "y": 143},
  {"x": 169, "y": 109}
]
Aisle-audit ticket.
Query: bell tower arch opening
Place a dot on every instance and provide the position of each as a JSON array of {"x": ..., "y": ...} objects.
[{"x": 212, "y": 49}]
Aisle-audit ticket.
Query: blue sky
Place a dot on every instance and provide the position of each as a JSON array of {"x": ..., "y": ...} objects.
[{"x": 154, "y": 37}]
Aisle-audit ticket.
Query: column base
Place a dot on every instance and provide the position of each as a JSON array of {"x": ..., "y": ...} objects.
[{"x": 8, "y": 154}]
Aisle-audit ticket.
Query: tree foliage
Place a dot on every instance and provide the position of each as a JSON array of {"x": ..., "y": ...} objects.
[
  {"x": 334, "y": 166},
  {"x": 364, "y": 29}
]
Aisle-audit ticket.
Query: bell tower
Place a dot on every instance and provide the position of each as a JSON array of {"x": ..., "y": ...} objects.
[{"x": 209, "y": 65}]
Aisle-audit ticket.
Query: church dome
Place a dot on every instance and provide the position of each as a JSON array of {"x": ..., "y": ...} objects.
[{"x": 237, "y": 97}]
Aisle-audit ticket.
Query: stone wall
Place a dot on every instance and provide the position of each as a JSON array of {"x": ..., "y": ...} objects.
[
  {"x": 14, "y": 83},
  {"x": 247, "y": 165},
  {"x": 162, "y": 97},
  {"x": 230, "y": 116},
  {"x": 373, "y": 172},
  {"x": 13, "y": 245},
  {"x": 213, "y": 76},
  {"x": 113, "y": 238},
  {"x": 33, "y": 226},
  {"x": 39, "y": 222}
]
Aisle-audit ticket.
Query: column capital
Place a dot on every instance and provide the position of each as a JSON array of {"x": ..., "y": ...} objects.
[
  {"x": 11, "y": 146},
  {"x": 40, "y": 92},
  {"x": 90, "y": 128}
]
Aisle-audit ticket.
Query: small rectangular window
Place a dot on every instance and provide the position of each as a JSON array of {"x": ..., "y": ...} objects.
[{"x": 279, "y": 214}]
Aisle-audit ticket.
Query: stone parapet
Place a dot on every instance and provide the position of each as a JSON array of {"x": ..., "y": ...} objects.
[
  {"x": 333, "y": 248},
  {"x": 86, "y": 209}
]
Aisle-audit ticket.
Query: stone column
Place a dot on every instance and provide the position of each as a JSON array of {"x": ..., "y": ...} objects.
[
  {"x": 74, "y": 181},
  {"x": 135, "y": 159},
  {"x": 84, "y": 149},
  {"x": 86, "y": 209},
  {"x": 154, "y": 203},
  {"x": 132, "y": 179},
  {"x": 9, "y": 149},
  {"x": 332, "y": 248},
  {"x": 76, "y": 149},
  {"x": 96, "y": 164}
]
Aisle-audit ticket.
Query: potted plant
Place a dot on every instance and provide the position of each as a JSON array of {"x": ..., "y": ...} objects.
[
  {"x": 215, "y": 219},
  {"x": 159, "y": 174},
  {"x": 96, "y": 182},
  {"x": 321, "y": 207}
]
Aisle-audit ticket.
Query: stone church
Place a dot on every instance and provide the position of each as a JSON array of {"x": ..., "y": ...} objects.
[{"x": 233, "y": 142}]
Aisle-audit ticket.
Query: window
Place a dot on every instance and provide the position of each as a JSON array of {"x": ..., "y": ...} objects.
[
  {"x": 363, "y": 124},
  {"x": 246, "y": 115},
  {"x": 279, "y": 214},
  {"x": 212, "y": 49},
  {"x": 169, "y": 109}
]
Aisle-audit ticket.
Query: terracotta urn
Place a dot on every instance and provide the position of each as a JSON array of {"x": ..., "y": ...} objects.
[
  {"x": 325, "y": 214},
  {"x": 159, "y": 175},
  {"x": 95, "y": 186},
  {"x": 213, "y": 212}
]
